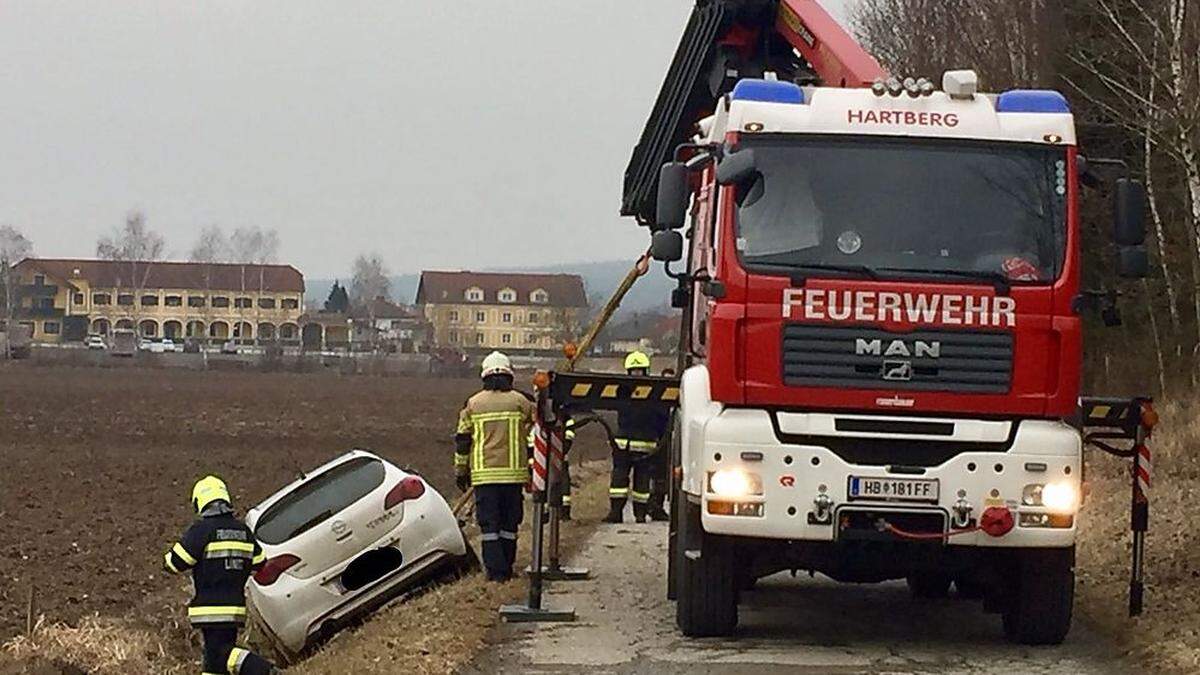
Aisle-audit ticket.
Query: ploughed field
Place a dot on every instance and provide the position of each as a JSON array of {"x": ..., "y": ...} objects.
[{"x": 98, "y": 466}]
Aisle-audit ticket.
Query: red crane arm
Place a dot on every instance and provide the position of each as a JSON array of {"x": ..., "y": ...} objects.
[
  {"x": 727, "y": 40},
  {"x": 833, "y": 54}
]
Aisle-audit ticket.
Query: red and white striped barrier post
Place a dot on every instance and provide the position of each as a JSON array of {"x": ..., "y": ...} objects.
[
  {"x": 541, "y": 476},
  {"x": 1143, "y": 468},
  {"x": 557, "y": 485}
]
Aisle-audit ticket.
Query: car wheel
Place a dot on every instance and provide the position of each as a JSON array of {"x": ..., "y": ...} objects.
[{"x": 1040, "y": 607}]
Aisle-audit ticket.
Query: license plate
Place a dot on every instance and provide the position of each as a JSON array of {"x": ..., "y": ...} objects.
[{"x": 894, "y": 489}]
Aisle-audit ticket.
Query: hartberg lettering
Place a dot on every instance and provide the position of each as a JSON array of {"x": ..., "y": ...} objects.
[
  {"x": 907, "y": 118},
  {"x": 899, "y": 308}
]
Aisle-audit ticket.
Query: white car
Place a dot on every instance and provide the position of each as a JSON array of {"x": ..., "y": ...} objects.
[
  {"x": 95, "y": 342},
  {"x": 167, "y": 346},
  {"x": 342, "y": 542}
]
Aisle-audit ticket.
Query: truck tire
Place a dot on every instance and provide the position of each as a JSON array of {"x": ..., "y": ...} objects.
[
  {"x": 707, "y": 590},
  {"x": 676, "y": 495},
  {"x": 929, "y": 585},
  {"x": 1042, "y": 597}
]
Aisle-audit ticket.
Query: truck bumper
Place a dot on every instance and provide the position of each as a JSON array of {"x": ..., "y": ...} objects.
[{"x": 794, "y": 475}]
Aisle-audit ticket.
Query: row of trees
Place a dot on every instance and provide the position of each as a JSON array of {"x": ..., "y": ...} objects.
[{"x": 1132, "y": 70}]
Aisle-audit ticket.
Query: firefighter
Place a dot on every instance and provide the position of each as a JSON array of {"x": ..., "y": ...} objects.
[
  {"x": 490, "y": 456},
  {"x": 221, "y": 553},
  {"x": 639, "y": 434}
]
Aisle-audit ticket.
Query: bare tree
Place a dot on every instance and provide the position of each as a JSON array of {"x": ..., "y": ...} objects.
[
  {"x": 137, "y": 247},
  {"x": 370, "y": 282},
  {"x": 14, "y": 247},
  {"x": 254, "y": 246},
  {"x": 212, "y": 246}
]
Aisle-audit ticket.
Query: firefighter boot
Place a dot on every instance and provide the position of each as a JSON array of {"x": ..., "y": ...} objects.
[
  {"x": 616, "y": 511},
  {"x": 639, "y": 512},
  {"x": 656, "y": 511}
]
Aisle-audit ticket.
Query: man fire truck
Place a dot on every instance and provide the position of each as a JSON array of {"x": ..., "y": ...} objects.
[{"x": 882, "y": 334}]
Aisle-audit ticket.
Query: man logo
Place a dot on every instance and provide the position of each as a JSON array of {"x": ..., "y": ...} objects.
[
  {"x": 898, "y": 371},
  {"x": 919, "y": 349}
]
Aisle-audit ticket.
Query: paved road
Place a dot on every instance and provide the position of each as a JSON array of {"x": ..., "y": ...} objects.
[{"x": 626, "y": 625}]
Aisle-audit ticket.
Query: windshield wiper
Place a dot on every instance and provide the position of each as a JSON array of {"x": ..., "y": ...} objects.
[
  {"x": 798, "y": 271},
  {"x": 1002, "y": 283}
]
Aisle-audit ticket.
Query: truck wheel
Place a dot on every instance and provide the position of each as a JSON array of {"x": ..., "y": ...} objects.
[
  {"x": 676, "y": 497},
  {"x": 707, "y": 587},
  {"x": 970, "y": 588},
  {"x": 1042, "y": 596},
  {"x": 929, "y": 585}
]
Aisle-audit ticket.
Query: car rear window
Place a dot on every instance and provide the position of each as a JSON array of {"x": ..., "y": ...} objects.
[{"x": 319, "y": 500}]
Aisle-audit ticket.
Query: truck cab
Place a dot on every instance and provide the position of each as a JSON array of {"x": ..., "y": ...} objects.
[{"x": 883, "y": 339}]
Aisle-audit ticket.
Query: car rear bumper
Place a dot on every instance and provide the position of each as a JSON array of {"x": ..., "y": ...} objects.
[{"x": 300, "y": 611}]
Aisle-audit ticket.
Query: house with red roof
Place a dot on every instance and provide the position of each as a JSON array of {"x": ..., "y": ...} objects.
[{"x": 483, "y": 311}]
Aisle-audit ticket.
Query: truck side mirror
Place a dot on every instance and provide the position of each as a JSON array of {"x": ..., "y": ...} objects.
[
  {"x": 673, "y": 190},
  {"x": 736, "y": 167},
  {"x": 1133, "y": 262},
  {"x": 1129, "y": 217},
  {"x": 667, "y": 246}
]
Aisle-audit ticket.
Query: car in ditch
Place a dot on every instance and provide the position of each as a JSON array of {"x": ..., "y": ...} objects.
[{"x": 343, "y": 541}]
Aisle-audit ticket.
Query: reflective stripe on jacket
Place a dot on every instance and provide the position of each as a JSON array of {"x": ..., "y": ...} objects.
[
  {"x": 493, "y": 427},
  {"x": 221, "y": 553}
]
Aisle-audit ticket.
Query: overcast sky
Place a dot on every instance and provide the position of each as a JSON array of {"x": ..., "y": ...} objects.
[{"x": 465, "y": 134}]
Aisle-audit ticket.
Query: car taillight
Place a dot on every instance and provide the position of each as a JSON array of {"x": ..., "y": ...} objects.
[
  {"x": 409, "y": 488},
  {"x": 269, "y": 573}
]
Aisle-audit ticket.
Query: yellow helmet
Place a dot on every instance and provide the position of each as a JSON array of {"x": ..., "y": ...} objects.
[
  {"x": 208, "y": 490},
  {"x": 637, "y": 360}
]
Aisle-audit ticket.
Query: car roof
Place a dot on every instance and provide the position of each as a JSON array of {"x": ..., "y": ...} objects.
[{"x": 253, "y": 514}]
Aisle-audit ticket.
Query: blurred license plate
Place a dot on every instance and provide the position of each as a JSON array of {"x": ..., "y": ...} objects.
[{"x": 894, "y": 489}]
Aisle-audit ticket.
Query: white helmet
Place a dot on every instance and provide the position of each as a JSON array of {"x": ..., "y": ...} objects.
[{"x": 496, "y": 363}]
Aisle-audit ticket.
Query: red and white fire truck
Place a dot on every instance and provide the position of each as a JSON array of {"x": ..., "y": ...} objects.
[{"x": 882, "y": 337}]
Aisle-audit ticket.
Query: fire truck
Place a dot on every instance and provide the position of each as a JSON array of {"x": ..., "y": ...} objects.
[{"x": 882, "y": 337}]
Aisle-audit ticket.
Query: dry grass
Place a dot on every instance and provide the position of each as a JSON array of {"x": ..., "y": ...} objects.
[
  {"x": 96, "y": 646},
  {"x": 1167, "y": 636}
]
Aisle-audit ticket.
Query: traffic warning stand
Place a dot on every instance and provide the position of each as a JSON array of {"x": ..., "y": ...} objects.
[{"x": 543, "y": 474}]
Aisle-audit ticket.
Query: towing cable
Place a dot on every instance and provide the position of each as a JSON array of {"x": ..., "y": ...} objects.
[{"x": 884, "y": 526}]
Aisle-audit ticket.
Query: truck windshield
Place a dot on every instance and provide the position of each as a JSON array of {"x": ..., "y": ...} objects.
[{"x": 904, "y": 208}]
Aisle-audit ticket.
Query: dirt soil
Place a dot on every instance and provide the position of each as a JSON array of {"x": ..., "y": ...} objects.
[{"x": 99, "y": 464}]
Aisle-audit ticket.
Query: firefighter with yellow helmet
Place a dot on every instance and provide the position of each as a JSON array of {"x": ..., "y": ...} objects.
[
  {"x": 637, "y": 452},
  {"x": 221, "y": 553},
  {"x": 490, "y": 456}
]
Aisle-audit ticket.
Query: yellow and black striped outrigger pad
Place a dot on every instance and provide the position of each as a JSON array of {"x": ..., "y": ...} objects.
[
  {"x": 574, "y": 392},
  {"x": 1124, "y": 414}
]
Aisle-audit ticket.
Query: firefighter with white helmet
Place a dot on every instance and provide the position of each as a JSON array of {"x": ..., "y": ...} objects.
[
  {"x": 490, "y": 456},
  {"x": 639, "y": 435},
  {"x": 221, "y": 553}
]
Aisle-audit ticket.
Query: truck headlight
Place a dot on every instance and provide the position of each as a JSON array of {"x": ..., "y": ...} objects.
[
  {"x": 1056, "y": 497},
  {"x": 735, "y": 483},
  {"x": 1060, "y": 497}
]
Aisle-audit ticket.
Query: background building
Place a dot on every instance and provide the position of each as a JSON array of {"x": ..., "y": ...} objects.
[
  {"x": 65, "y": 300},
  {"x": 517, "y": 312}
]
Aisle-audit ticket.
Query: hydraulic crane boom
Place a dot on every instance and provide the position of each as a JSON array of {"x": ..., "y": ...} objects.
[{"x": 725, "y": 41}]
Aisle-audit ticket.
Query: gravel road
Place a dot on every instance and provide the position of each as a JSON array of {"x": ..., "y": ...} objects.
[{"x": 802, "y": 625}]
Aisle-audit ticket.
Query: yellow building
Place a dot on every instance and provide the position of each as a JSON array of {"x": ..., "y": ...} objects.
[
  {"x": 514, "y": 312},
  {"x": 65, "y": 300}
]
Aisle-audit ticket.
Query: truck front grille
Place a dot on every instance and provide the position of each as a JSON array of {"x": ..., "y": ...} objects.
[{"x": 870, "y": 358}]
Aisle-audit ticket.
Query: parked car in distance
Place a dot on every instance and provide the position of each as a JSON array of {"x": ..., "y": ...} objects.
[
  {"x": 229, "y": 347},
  {"x": 342, "y": 542},
  {"x": 160, "y": 346},
  {"x": 95, "y": 342}
]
